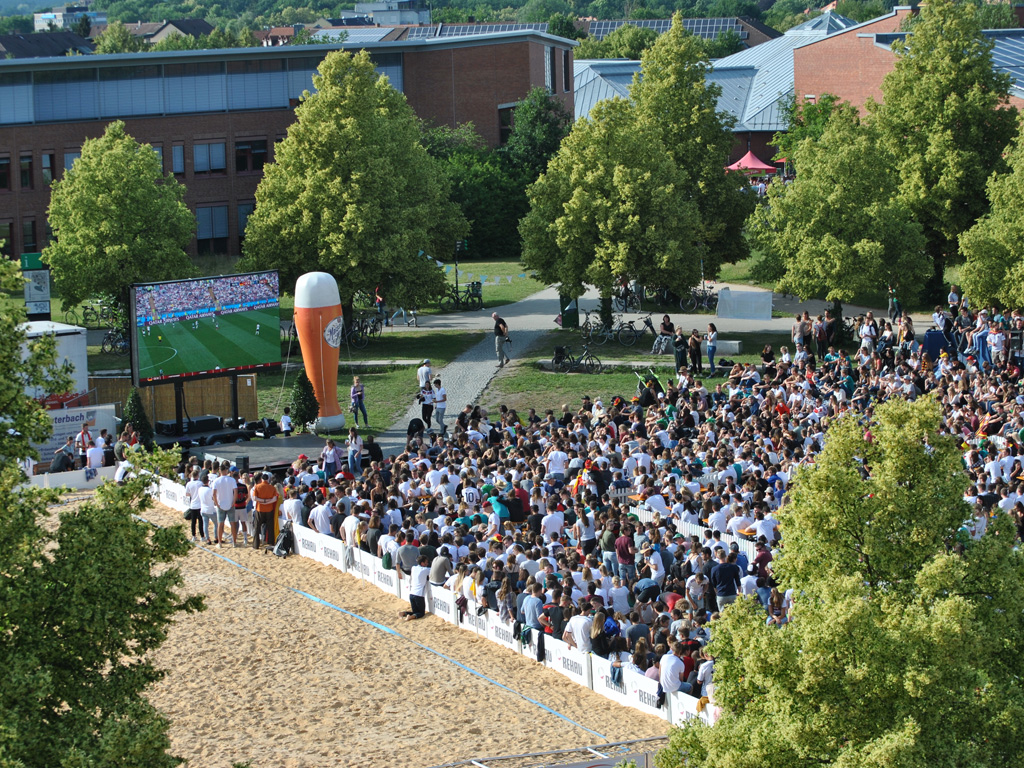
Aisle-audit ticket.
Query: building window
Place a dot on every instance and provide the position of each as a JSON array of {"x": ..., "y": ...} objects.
[
  {"x": 47, "y": 234},
  {"x": 566, "y": 71},
  {"x": 28, "y": 236},
  {"x": 212, "y": 229},
  {"x": 69, "y": 160},
  {"x": 178, "y": 159},
  {"x": 549, "y": 68},
  {"x": 49, "y": 161},
  {"x": 159, "y": 152},
  {"x": 505, "y": 124},
  {"x": 250, "y": 156},
  {"x": 26, "y": 172},
  {"x": 244, "y": 212},
  {"x": 209, "y": 158},
  {"x": 6, "y": 233},
  {"x": 5, "y": 174}
]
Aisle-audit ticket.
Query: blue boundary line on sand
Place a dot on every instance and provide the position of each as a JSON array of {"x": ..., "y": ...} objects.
[{"x": 396, "y": 633}]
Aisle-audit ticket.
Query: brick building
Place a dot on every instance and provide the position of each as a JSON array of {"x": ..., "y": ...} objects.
[
  {"x": 214, "y": 115},
  {"x": 852, "y": 63}
]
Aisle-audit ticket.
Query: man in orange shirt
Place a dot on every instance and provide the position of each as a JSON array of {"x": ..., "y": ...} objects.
[{"x": 264, "y": 498}]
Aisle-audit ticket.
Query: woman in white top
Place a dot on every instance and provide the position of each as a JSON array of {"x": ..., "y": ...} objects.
[
  {"x": 355, "y": 452},
  {"x": 207, "y": 509},
  {"x": 712, "y": 339}
]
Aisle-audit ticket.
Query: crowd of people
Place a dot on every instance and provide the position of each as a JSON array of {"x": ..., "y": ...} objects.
[
  {"x": 537, "y": 517},
  {"x": 164, "y": 300}
]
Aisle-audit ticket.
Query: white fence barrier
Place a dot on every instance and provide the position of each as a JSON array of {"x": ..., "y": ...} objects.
[{"x": 586, "y": 669}]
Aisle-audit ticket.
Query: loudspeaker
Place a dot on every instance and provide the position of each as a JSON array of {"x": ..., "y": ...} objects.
[{"x": 242, "y": 462}]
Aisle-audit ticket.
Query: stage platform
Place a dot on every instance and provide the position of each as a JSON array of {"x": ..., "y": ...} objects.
[{"x": 275, "y": 453}]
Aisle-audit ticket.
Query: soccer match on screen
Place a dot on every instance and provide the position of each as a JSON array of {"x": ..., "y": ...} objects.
[{"x": 207, "y": 326}]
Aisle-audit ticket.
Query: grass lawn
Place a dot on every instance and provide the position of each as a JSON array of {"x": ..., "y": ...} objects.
[
  {"x": 528, "y": 385},
  {"x": 389, "y": 389}
]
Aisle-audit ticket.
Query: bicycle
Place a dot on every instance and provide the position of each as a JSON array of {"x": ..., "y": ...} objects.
[
  {"x": 628, "y": 333},
  {"x": 699, "y": 298},
  {"x": 564, "y": 361},
  {"x": 115, "y": 341},
  {"x": 470, "y": 298},
  {"x": 626, "y": 299}
]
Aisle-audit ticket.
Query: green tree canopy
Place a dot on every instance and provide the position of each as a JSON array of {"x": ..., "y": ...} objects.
[
  {"x": 563, "y": 25},
  {"x": 85, "y": 603},
  {"x": 994, "y": 246},
  {"x": 117, "y": 39},
  {"x": 608, "y": 206},
  {"x": 627, "y": 42},
  {"x": 836, "y": 230},
  {"x": 904, "y": 648},
  {"x": 352, "y": 191},
  {"x": 946, "y": 119},
  {"x": 540, "y": 123},
  {"x": 117, "y": 219},
  {"x": 804, "y": 120},
  {"x": 673, "y": 95}
]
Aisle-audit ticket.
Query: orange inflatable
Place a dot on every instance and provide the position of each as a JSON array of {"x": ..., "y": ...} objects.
[{"x": 319, "y": 323}]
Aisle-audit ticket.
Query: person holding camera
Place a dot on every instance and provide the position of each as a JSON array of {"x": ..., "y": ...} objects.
[{"x": 500, "y": 339}]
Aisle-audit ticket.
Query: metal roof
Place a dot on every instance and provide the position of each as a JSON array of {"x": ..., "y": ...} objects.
[
  {"x": 1007, "y": 53},
  {"x": 597, "y": 79},
  {"x": 753, "y": 81},
  {"x": 368, "y": 35}
]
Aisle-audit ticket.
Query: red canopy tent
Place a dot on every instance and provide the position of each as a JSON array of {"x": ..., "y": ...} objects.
[{"x": 751, "y": 163}]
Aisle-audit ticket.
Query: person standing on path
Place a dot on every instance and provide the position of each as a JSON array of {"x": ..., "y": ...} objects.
[
  {"x": 423, "y": 374},
  {"x": 356, "y": 393},
  {"x": 680, "y": 349},
  {"x": 440, "y": 403},
  {"x": 264, "y": 498},
  {"x": 500, "y": 338},
  {"x": 712, "y": 339},
  {"x": 224, "y": 491},
  {"x": 426, "y": 398},
  {"x": 355, "y": 452}
]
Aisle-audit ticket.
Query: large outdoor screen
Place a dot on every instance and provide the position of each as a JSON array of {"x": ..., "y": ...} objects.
[{"x": 210, "y": 326}]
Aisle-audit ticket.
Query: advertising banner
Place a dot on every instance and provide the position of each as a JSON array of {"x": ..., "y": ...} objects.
[
  {"x": 474, "y": 620},
  {"x": 306, "y": 542},
  {"x": 683, "y": 709},
  {"x": 383, "y": 579},
  {"x": 359, "y": 564},
  {"x": 642, "y": 694},
  {"x": 601, "y": 673},
  {"x": 441, "y": 603},
  {"x": 68, "y": 422},
  {"x": 567, "y": 661},
  {"x": 331, "y": 551},
  {"x": 501, "y": 633}
]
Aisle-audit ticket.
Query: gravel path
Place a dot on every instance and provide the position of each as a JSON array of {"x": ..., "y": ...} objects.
[{"x": 465, "y": 378}]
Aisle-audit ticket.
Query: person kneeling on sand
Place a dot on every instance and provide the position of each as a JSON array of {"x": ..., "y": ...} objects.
[{"x": 417, "y": 589}]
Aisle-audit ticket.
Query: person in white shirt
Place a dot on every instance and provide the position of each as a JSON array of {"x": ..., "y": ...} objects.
[
  {"x": 423, "y": 374},
  {"x": 440, "y": 403},
  {"x": 555, "y": 462},
  {"x": 577, "y": 632},
  {"x": 194, "y": 507},
  {"x": 286, "y": 422},
  {"x": 208, "y": 509},
  {"x": 417, "y": 589},
  {"x": 320, "y": 517},
  {"x": 94, "y": 456},
  {"x": 291, "y": 509},
  {"x": 224, "y": 489},
  {"x": 672, "y": 671}
]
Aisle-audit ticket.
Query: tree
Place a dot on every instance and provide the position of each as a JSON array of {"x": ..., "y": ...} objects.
[
  {"x": 305, "y": 407},
  {"x": 82, "y": 27},
  {"x": 352, "y": 191},
  {"x": 85, "y": 603},
  {"x": 804, "y": 120},
  {"x": 994, "y": 246},
  {"x": 117, "y": 39},
  {"x": 673, "y": 95},
  {"x": 836, "y": 230},
  {"x": 539, "y": 124},
  {"x": 117, "y": 219},
  {"x": 535, "y": 11},
  {"x": 492, "y": 198},
  {"x": 608, "y": 206},
  {"x": 905, "y": 648},
  {"x": 135, "y": 414},
  {"x": 946, "y": 118},
  {"x": 564, "y": 25},
  {"x": 627, "y": 42}
]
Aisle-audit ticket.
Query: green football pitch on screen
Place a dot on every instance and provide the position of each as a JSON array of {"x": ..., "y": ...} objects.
[{"x": 210, "y": 343}]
